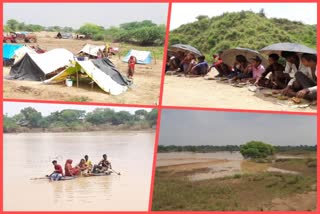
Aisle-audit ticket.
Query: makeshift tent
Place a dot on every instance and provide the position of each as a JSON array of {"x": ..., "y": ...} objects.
[
  {"x": 143, "y": 57},
  {"x": 19, "y": 53},
  {"x": 91, "y": 50},
  {"x": 101, "y": 71},
  {"x": 35, "y": 66},
  {"x": 9, "y": 49}
]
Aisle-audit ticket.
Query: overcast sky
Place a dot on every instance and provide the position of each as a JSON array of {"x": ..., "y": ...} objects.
[
  {"x": 12, "y": 108},
  {"x": 182, "y": 13},
  {"x": 76, "y": 14},
  {"x": 185, "y": 127}
]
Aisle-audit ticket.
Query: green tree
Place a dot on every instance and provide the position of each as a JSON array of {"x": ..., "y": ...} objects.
[
  {"x": 256, "y": 149},
  {"x": 141, "y": 112},
  {"x": 31, "y": 117},
  {"x": 90, "y": 29},
  {"x": 13, "y": 24},
  {"x": 201, "y": 17},
  {"x": 9, "y": 124},
  {"x": 152, "y": 117}
]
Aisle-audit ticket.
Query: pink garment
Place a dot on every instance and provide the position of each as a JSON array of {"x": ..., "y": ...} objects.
[{"x": 257, "y": 72}]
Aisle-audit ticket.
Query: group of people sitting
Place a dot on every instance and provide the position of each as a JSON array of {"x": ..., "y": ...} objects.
[
  {"x": 298, "y": 78},
  {"x": 84, "y": 167},
  {"x": 187, "y": 64}
]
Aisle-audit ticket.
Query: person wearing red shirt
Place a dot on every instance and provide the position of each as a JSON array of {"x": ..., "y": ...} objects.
[
  {"x": 57, "y": 173},
  {"x": 131, "y": 65}
]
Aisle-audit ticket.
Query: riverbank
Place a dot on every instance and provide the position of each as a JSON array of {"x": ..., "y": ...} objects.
[
  {"x": 225, "y": 181},
  {"x": 123, "y": 127}
]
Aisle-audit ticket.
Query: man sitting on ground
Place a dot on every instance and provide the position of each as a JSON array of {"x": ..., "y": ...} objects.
[
  {"x": 306, "y": 83},
  {"x": 277, "y": 79},
  {"x": 201, "y": 68},
  {"x": 102, "y": 166},
  {"x": 293, "y": 65}
]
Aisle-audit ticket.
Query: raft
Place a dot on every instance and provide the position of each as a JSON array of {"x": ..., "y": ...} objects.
[{"x": 65, "y": 178}]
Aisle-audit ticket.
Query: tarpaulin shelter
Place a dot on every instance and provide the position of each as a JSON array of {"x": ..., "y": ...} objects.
[
  {"x": 143, "y": 57},
  {"x": 92, "y": 50},
  {"x": 33, "y": 66},
  {"x": 101, "y": 71}
]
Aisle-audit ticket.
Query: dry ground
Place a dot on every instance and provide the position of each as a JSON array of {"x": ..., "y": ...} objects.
[
  {"x": 198, "y": 92},
  {"x": 145, "y": 89}
]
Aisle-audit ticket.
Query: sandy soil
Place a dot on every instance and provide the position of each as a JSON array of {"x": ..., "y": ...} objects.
[
  {"x": 198, "y": 92},
  {"x": 145, "y": 89}
]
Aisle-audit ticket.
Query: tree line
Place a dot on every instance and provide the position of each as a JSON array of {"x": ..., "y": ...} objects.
[
  {"x": 70, "y": 119},
  {"x": 141, "y": 33},
  {"x": 230, "y": 148}
]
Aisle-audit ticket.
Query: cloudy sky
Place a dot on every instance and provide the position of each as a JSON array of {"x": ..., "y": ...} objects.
[
  {"x": 76, "y": 14},
  {"x": 185, "y": 127},
  {"x": 12, "y": 108},
  {"x": 183, "y": 13}
]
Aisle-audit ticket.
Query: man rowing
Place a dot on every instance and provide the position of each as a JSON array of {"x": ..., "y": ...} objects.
[{"x": 102, "y": 166}]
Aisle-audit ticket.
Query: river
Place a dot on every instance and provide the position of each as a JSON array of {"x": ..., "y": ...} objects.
[{"x": 29, "y": 155}]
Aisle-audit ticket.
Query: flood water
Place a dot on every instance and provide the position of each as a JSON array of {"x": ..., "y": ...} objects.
[
  {"x": 29, "y": 156},
  {"x": 219, "y": 164}
]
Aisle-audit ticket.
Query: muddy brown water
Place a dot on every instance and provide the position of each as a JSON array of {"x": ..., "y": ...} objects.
[
  {"x": 219, "y": 164},
  {"x": 29, "y": 156}
]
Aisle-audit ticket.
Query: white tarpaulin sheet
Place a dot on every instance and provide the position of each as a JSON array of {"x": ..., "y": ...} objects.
[
  {"x": 104, "y": 81},
  {"x": 19, "y": 53},
  {"x": 92, "y": 49},
  {"x": 52, "y": 60}
]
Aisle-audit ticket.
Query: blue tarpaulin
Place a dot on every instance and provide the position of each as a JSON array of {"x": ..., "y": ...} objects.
[{"x": 8, "y": 50}]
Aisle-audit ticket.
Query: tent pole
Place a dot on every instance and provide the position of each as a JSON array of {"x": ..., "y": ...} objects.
[
  {"x": 78, "y": 79},
  {"x": 155, "y": 60}
]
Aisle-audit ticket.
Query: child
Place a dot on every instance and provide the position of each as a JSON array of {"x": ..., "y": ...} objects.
[
  {"x": 257, "y": 70},
  {"x": 241, "y": 69},
  {"x": 131, "y": 65}
]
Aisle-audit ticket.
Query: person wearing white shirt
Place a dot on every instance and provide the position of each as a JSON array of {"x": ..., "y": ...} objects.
[
  {"x": 293, "y": 65},
  {"x": 307, "y": 81}
]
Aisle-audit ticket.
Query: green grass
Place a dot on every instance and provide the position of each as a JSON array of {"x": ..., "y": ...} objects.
[
  {"x": 239, "y": 192},
  {"x": 80, "y": 99}
]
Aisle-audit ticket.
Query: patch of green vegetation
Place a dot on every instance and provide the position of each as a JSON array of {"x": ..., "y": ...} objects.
[
  {"x": 241, "y": 29},
  {"x": 80, "y": 99},
  {"x": 303, "y": 166},
  {"x": 238, "y": 192}
]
